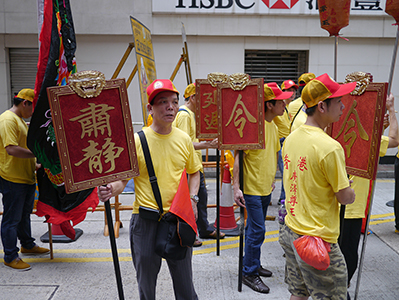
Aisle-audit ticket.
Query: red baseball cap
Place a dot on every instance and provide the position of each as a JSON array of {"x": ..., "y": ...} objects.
[
  {"x": 324, "y": 87},
  {"x": 158, "y": 86},
  {"x": 287, "y": 84},
  {"x": 271, "y": 91}
]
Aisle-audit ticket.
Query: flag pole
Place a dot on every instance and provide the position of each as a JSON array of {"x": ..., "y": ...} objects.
[
  {"x": 217, "y": 203},
  {"x": 395, "y": 51},
  {"x": 364, "y": 241},
  {"x": 114, "y": 250},
  {"x": 242, "y": 221}
]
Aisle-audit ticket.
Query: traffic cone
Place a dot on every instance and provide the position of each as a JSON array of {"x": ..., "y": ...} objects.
[{"x": 227, "y": 220}]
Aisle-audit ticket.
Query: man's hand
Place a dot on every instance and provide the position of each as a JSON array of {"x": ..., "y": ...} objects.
[
  {"x": 195, "y": 210},
  {"x": 104, "y": 192},
  {"x": 239, "y": 198},
  {"x": 213, "y": 144}
]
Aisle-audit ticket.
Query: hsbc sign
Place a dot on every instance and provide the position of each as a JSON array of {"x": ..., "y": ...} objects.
[{"x": 259, "y": 7}]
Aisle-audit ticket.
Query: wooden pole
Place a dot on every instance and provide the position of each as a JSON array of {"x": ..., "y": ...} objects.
[
  {"x": 393, "y": 62},
  {"x": 114, "y": 250},
  {"x": 217, "y": 203},
  {"x": 123, "y": 60},
  {"x": 242, "y": 221},
  {"x": 335, "y": 57},
  {"x": 359, "y": 274}
]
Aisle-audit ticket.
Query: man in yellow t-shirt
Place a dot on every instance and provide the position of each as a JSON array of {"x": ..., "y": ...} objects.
[
  {"x": 185, "y": 120},
  {"x": 355, "y": 212},
  {"x": 283, "y": 124},
  {"x": 17, "y": 182},
  {"x": 296, "y": 109},
  {"x": 171, "y": 152},
  {"x": 316, "y": 181},
  {"x": 259, "y": 168}
]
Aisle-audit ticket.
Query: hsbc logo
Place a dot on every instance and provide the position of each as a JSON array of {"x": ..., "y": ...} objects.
[
  {"x": 243, "y": 4},
  {"x": 280, "y": 4}
]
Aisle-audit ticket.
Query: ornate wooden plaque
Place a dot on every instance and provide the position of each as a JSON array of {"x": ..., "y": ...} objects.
[
  {"x": 206, "y": 108},
  {"x": 359, "y": 129},
  {"x": 94, "y": 134},
  {"x": 241, "y": 116}
]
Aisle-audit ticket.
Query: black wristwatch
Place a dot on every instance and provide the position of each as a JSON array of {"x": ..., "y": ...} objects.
[{"x": 194, "y": 198}]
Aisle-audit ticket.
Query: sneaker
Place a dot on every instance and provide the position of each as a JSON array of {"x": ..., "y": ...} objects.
[
  {"x": 36, "y": 250},
  {"x": 18, "y": 264},
  {"x": 396, "y": 231}
]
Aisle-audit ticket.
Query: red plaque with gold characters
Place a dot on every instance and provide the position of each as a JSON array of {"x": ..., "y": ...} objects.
[
  {"x": 360, "y": 127},
  {"x": 94, "y": 131},
  {"x": 206, "y": 108},
  {"x": 241, "y": 113}
]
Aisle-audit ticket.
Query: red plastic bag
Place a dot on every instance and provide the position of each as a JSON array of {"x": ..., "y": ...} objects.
[{"x": 313, "y": 251}]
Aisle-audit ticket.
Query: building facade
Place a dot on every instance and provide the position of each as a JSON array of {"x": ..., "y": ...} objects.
[{"x": 273, "y": 39}]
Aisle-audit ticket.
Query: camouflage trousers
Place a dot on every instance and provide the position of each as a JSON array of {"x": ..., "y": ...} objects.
[{"x": 304, "y": 280}]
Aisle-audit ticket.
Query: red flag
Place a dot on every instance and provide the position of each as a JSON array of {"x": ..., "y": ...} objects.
[
  {"x": 334, "y": 15},
  {"x": 392, "y": 8},
  {"x": 181, "y": 205}
]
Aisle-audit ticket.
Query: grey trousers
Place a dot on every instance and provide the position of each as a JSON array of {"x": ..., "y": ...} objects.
[{"x": 147, "y": 263}]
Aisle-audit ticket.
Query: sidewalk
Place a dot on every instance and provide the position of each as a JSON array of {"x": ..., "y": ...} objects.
[{"x": 84, "y": 269}]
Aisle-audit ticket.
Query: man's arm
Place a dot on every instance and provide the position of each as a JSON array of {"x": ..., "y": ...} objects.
[
  {"x": 19, "y": 152},
  {"x": 345, "y": 196},
  {"x": 393, "y": 127},
  {"x": 206, "y": 144},
  {"x": 238, "y": 195},
  {"x": 111, "y": 190},
  {"x": 193, "y": 185}
]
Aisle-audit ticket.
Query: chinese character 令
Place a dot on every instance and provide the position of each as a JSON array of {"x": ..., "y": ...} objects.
[
  {"x": 238, "y": 119},
  {"x": 211, "y": 122},
  {"x": 367, "y": 5},
  {"x": 94, "y": 118},
  {"x": 352, "y": 136},
  {"x": 302, "y": 164},
  {"x": 109, "y": 151}
]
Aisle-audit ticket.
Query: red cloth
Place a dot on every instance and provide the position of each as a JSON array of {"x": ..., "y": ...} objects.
[
  {"x": 45, "y": 42},
  {"x": 76, "y": 215},
  {"x": 181, "y": 205}
]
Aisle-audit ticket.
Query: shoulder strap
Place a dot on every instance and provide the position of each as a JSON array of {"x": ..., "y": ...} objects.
[
  {"x": 293, "y": 119},
  {"x": 151, "y": 172},
  {"x": 182, "y": 109}
]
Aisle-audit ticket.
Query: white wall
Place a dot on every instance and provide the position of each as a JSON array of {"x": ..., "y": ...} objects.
[{"x": 216, "y": 42}]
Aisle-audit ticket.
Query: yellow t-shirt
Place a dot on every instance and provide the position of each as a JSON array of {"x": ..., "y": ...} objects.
[
  {"x": 171, "y": 154},
  {"x": 13, "y": 131},
  {"x": 260, "y": 165},
  {"x": 357, "y": 209},
  {"x": 185, "y": 120},
  {"x": 294, "y": 106},
  {"x": 314, "y": 170},
  {"x": 299, "y": 120},
  {"x": 283, "y": 124}
]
